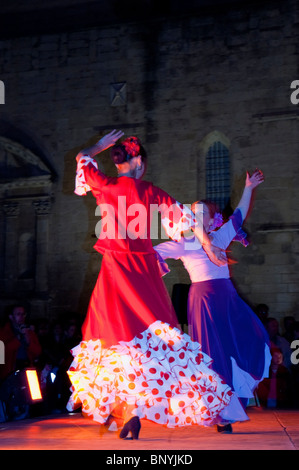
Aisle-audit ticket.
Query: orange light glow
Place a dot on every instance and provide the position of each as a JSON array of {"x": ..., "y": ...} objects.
[{"x": 33, "y": 383}]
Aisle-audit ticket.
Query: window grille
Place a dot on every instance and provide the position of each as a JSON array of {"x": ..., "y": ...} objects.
[{"x": 218, "y": 175}]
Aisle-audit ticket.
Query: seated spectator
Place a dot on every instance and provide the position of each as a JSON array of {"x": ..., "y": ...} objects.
[
  {"x": 22, "y": 350},
  {"x": 42, "y": 330},
  {"x": 56, "y": 359},
  {"x": 22, "y": 347},
  {"x": 289, "y": 322},
  {"x": 296, "y": 330},
  {"x": 278, "y": 341},
  {"x": 262, "y": 311},
  {"x": 276, "y": 390},
  {"x": 295, "y": 363},
  {"x": 72, "y": 335}
]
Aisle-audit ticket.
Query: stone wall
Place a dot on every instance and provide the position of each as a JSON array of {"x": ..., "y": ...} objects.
[{"x": 173, "y": 81}]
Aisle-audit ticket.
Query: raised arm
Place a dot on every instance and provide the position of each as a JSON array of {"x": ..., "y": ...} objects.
[
  {"x": 251, "y": 182},
  {"x": 104, "y": 143},
  {"x": 87, "y": 174}
]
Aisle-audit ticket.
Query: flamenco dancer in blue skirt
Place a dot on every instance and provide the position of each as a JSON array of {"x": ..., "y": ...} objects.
[{"x": 225, "y": 326}]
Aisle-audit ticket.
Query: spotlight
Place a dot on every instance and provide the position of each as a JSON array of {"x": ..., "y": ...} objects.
[
  {"x": 18, "y": 392},
  {"x": 33, "y": 384}
]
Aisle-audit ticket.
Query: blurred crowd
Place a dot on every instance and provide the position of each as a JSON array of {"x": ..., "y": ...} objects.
[
  {"x": 46, "y": 346},
  {"x": 281, "y": 389},
  {"x": 42, "y": 345}
]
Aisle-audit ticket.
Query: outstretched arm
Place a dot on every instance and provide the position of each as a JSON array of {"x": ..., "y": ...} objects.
[
  {"x": 251, "y": 182},
  {"x": 104, "y": 143}
]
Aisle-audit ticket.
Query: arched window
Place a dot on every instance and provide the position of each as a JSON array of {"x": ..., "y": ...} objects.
[
  {"x": 218, "y": 174},
  {"x": 213, "y": 170}
]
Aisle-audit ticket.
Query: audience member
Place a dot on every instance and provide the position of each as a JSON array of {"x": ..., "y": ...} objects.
[
  {"x": 296, "y": 330},
  {"x": 262, "y": 311},
  {"x": 56, "y": 358},
  {"x": 72, "y": 336},
  {"x": 22, "y": 347},
  {"x": 289, "y": 322},
  {"x": 22, "y": 350},
  {"x": 276, "y": 391},
  {"x": 295, "y": 363},
  {"x": 43, "y": 346},
  {"x": 278, "y": 341}
]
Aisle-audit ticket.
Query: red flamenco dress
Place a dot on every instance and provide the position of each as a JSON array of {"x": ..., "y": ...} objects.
[{"x": 132, "y": 351}]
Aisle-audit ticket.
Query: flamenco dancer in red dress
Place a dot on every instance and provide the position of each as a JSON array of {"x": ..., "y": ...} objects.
[{"x": 132, "y": 352}]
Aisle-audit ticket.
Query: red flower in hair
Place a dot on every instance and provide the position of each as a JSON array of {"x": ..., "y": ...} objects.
[{"x": 132, "y": 146}]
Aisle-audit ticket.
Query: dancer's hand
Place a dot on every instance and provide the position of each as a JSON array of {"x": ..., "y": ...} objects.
[
  {"x": 216, "y": 255},
  {"x": 251, "y": 182},
  {"x": 255, "y": 179},
  {"x": 104, "y": 143},
  {"x": 109, "y": 139}
]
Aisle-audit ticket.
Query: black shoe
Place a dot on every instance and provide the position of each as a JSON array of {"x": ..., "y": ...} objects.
[
  {"x": 132, "y": 425},
  {"x": 225, "y": 428}
]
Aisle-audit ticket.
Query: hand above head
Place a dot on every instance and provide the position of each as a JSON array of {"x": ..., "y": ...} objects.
[
  {"x": 255, "y": 179},
  {"x": 110, "y": 139},
  {"x": 104, "y": 143}
]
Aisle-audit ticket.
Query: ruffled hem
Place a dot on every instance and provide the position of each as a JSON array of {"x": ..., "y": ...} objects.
[
  {"x": 161, "y": 371},
  {"x": 244, "y": 384},
  {"x": 81, "y": 186}
]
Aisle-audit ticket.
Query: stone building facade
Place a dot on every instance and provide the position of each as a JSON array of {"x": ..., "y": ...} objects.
[{"x": 209, "y": 85}]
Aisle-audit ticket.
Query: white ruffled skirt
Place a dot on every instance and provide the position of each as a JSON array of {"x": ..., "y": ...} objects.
[{"x": 161, "y": 372}]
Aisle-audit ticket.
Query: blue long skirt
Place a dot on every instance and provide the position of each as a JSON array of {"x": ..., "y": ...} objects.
[{"x": 230, "y": 333}]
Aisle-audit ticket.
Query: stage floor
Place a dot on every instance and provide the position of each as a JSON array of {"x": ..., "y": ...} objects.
[{"x": 266, "y": 430}]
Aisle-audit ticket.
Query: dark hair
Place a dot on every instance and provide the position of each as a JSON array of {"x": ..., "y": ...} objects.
[
  {"x": 18, "y": 305},
  {"x": 213, "y": 208},
  {"x": 263, "y": 308},
  {"x": 275, "y": 349},
  {"x": 130, "y": 147}
]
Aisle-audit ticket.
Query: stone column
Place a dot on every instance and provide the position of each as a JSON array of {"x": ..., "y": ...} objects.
[
  {"x": 12, "y": 210},
  {"x": 42, "y": 210}
]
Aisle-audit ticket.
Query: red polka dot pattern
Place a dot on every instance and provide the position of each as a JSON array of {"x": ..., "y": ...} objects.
[
  {"x": 81, "y": 186},
  {"x": 172, "y": 386}
]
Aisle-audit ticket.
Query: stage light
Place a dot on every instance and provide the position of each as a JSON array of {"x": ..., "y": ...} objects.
[
  {"x": 33, "y": 383},
  {"x": 52, "y": 377},
  {"x": 18, "y": 393}
]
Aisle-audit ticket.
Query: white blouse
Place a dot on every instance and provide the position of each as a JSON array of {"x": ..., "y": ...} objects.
[{"x": 193, "y": 256}]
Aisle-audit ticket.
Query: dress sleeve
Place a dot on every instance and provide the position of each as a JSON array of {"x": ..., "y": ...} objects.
[
  {"x": 162, "y": 265},
  {"x": 237, "y": 221},
  {"x": 88, "y": 176},
  {"x": 164, "y": 251},
  {"x": 230, "y": 231},
  {"x": 175, "y": 217},
  {"x": 169, "y": 249}
]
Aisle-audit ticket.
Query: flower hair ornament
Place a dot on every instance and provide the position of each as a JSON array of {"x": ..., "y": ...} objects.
[
  {"x": 240, "y": 236},
  {"x": 132, "y": 146},
  {"x": 129, "y": 148},
  {"x": 218, "y": 221}
]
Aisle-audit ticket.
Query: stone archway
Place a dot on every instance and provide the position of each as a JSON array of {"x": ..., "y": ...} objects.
[{"x": 25, "y": 195}]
